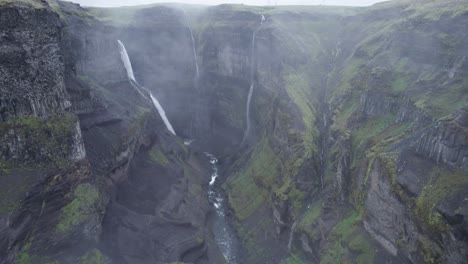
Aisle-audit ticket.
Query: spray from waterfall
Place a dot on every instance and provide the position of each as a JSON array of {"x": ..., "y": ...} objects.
[
  {"x": 194, "y": 49},
  {"x": 252, "y": 80},
  {"x": 128, "y": 66}
]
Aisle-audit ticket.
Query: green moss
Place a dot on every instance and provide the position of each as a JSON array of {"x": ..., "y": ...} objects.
[
  {"x": 341, "y": 235},
  {"x": 85, "y": 203},
  {"x": 297, "y": 86},
  {"x": 294, "y": 259},
  {"x": 442, "y": 184},
  {"x": 368, "y": 139},
  {"x": 443, "y": 102},
  {"x": 93, "y": 257},
  {"x": 249, "y": 190},
  {"x": 23, "y": 257},
  {"x": 400, "y": 84},
  {"x": 428, "y": 254},
  {"x": 158, "y": 156},
  {"x": 350, "y": 72},
  {"x": 345, "y": 111},
  {"x": 302, "y": 143},
  {"x": 54, "y": 5},
  {"x": 365, "y": 249},
  {"x": 4, "y": 168},
  {"x": 307, "y": 222},
  {"x": 296, "y": 199}
]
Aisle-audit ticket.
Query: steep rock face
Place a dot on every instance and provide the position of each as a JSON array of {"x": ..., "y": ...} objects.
[
  {"x": 43, "y": 158},
  {"x": 32, "y": 59},
  {"x": 447, "y": 143}
]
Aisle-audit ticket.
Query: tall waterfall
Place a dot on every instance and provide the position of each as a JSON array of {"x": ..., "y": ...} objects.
[
  {"x": 252, "y": 80},
  {"x": 126, "y": 61},
  {"x": 194, "y": 50},
  {"x": 128, "y": 66}
]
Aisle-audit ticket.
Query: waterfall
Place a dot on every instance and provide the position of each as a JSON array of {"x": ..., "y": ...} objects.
[
  {"x": 252, "y": 80},
  {"x": 194, "y": 50},
  {"x": 162, "y": 113},
  {"x": 128, "y": 66},
  {"x": 126, "y": 61}
]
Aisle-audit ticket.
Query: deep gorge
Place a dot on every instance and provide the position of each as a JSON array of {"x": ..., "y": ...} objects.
[{"x": 356, "y": 150}]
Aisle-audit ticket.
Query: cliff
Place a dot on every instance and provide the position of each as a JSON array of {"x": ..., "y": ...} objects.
[{"x": 357, "y": 150}]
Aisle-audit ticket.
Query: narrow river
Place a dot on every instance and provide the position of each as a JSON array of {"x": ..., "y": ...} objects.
[{"x": 224, "y": 234}]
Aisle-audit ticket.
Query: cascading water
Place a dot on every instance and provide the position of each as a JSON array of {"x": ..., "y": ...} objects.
[
  {"x": 224, "y": 234},
  {"x": 252, "y": 80},
  {"x": 162, "y": 113},
  {"x": 126, "y": 61},
  {"x": 194, "y": 50},
  {"x": 128, "y": 66}
]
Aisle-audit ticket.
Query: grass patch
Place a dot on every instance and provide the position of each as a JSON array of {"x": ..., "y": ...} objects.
[
  {"x": 307, "y": 222},
  {"x": 158, "y": 156},
  {"x": 249, "y": 190},
  {"x": 23, "y": 257},
  {"x": 365, "y": 249},
  {"x": 342, "y": 239},
  {"x": 85, "y": 204},
  {"x": 297, "y": 86},
  {"x": 294, "y": 259},
  {"x": 399, "y": 84},
  {"x": 443, "y": 183},
  {"x": 93, "y": 257}
]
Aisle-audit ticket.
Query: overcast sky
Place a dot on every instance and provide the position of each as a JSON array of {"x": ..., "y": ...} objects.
[{"x": 217, "y": 2}]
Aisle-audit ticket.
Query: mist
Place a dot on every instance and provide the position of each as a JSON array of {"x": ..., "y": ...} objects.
[{"x": 116, "y": 3}]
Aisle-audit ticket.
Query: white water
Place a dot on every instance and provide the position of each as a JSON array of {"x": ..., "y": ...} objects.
[
  {"x": 128, "y": 66},
  {"x": 252, "y": 81},
  {"x": 224, "y": 234},
  {"x": 126, "y": 61},
  {"x": 188, "y": 142},
  {"x": 162, "y": 113},
  {"x": 194, "y": 50}
]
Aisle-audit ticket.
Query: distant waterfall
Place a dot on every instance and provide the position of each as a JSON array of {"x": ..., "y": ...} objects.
[
  {"x": 128, "y": 66},
  {"x": 162, "y": 113},
  {"x": 194, "y": 50},
  {"x": 252, "y": 80},
  {"x": 126, "y": 61}
]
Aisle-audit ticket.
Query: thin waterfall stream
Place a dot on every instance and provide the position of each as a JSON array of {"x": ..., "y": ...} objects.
[
  {"x": 128, "y": 67},
  {"x": 252, "y": 81},
  {"x": 194, "y": 49}
]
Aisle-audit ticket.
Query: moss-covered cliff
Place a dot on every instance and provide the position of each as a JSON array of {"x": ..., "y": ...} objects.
[{"x": 357, "y": 151}]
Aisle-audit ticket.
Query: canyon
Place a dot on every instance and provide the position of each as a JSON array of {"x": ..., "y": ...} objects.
[{"x": 286, "y": 134}]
